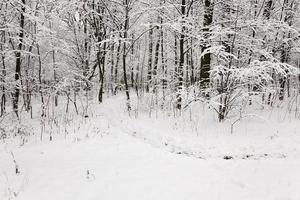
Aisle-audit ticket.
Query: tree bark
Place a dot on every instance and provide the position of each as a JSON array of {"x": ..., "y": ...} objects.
[
  {"x": 126, "y": 27},
  {"x": 181, "y": 57},
  {"x": 16, "y": 93},
  {"x": 206, "y": 58},
  {"x": 149, "y": 73}
]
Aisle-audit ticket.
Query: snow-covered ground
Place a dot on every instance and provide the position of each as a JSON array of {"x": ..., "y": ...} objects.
[
  {"x": 113, "y": 156},
  {"x": 118, "y": 166}
]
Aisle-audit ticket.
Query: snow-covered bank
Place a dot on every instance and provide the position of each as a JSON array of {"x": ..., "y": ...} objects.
[
  {"x": 110, "y": 155},
  {"x": 118, "y": 166}
]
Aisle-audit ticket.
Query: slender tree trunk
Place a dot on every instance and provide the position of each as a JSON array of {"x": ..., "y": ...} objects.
[
  {"x": 286, "y": 48},
  {"x": 137, "y": 84},
  {"x": 149, "y": 73},
  {"x": 3, "y": 74},
  {"x": 116, "y": 73},
  {"x": 267, "y": 15},
  {"x": 27, "y": 96},
  {"x": 41, "y": 81},
  {"x": 181, "y": 58},
  {"x": 55, "y": 77},
  {"x": 101, "y": 72},
  {"x": 162, "y": 54},
  {"x": 132, "y": 70},
  {"x": 225, "y": 78},
  {"x": 112, "y": 62},
  {"x": 16, "y": 93},
  {"x": 156, "y": 58},
  {"x": 193, "y": 80},
  {"x": 126, "y": 27}
]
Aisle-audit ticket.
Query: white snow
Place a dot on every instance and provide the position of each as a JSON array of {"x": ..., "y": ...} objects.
[
  {"x": 121, "y": 167},
  {"x": 112, "y": 157}
]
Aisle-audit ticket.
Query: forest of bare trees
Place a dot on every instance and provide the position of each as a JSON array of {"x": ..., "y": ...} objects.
[
  {"x": 149, "y": 99},
  {"x": 226, "y": 54}
]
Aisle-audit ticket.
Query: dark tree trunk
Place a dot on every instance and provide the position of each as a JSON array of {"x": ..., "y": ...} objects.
[
  {"x": 27, "y": 96},
  {"x": 206, "y": 58},
  {"x": 181, "y": 58},
  {"x": 132, "y": 59},
  {"x": 267, "y": 16},
  {"x": 41, "y": 81},
  {"x": 126, "y": 27},
  {"x": 156, "y": 58},
  {"x": 223, "y": 89},
  {"x": 193, "y": 79},
  {"x": 101, "y": 65},
  {"x": 116, "y": 73},
  {"x": 162, "y": 54},
  {"x": 112, "y": 62},
  {"x": 16, "y": 93},
  {"x": 3, "y": 89},
  {"x": 286, "y": 48},
  {"x": 149, "y": 73},
  {"x": 55, "y": 78}
]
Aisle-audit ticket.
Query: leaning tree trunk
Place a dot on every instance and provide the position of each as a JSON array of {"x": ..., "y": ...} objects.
[{"x": 3, "y": 74}]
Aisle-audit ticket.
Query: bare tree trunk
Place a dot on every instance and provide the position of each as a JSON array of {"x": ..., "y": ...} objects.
[
  {"x": 139, "y": 62},
  {"x": 181, "y": 58},
  {"x": 162, "y": 54},
  {"x": 41, "y": 81},
  {"x": 156, "y": 58},
  {"x": 225, "y": 78},
  {"x": 3, "y": 76},
  {"x": 267, "y": 14},
  {"x": 55, "y": 77},
  {"x": 286, "y": 48},
  {"x": 54, "y": 72},
  {"x": 193, "y": 80},
  {"x": 16, "y": 94},
  {"x": 206, "y": 58},
  {"x": 27, "y": 96},
  {"x": 132, "y": 61},
  {"x": 116, "y": 80},
  {"x": 149, "y": 73},
  {"x": 101, "y": 64},
  {"x": 112, "y": 62},
  {"x": 126, "y": 27}
]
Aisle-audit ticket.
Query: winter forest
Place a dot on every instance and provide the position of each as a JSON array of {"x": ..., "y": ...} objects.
[{"x": 149, "y": 99}]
